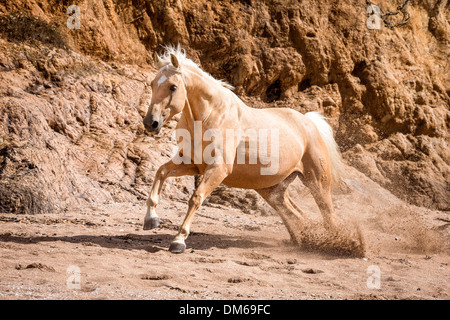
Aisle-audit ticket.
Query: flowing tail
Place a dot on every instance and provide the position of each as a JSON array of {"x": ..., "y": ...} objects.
[{"x": 326, "y": 132}]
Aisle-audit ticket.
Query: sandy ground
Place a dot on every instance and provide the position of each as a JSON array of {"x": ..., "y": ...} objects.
[{"x": 101, "y": 252}]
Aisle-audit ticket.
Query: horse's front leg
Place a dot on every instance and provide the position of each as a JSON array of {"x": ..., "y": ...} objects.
[
  {"x": 212, "y": 177},
  {"x": 169, "y": 169}
]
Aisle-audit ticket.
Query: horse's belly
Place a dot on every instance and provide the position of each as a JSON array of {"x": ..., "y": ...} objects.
[
  {"x": 258, "y": 176},
  {"x": 246, "y": 180}
]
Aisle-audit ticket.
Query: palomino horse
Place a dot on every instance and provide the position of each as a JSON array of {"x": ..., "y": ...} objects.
[{"x": 303, "y": 146}]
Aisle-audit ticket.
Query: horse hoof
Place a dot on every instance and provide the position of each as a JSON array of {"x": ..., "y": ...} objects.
[
  {"x": 177, "y": 247},
  {"x": 151, "y": 223}
]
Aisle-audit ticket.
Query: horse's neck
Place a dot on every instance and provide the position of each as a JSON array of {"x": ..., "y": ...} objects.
[
  {"x": 188, "y": 116},
  {"x": 206, "y": 99},
  {"x": 200, "y": 98}
]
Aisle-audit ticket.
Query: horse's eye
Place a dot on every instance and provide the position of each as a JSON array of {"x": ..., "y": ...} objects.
[{"x": 173, "y": 87}]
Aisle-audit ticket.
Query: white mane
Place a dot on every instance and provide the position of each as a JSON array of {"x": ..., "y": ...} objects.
[{"x": 164, "y": 61}]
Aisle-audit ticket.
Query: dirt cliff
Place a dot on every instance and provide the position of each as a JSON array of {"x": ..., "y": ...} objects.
[{"x": 72, "y": 100}]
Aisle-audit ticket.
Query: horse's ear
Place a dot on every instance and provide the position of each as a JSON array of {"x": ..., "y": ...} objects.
[
  {"x": 156, "y": 60},
  {"x": 174, "y": 61}
]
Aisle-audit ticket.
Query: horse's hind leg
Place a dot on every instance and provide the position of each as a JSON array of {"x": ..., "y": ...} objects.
[
  {"x": 278, "y": 198},
  {"x": 317, "y": 177}
]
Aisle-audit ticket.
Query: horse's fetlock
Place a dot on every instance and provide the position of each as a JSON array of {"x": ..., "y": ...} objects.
[{"x": 152, "y": 203}]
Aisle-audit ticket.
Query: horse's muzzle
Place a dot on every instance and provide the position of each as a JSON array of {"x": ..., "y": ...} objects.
[{"x": 153, "y": 125}]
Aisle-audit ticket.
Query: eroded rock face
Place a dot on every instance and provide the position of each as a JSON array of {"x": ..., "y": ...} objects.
[
  {"x": 71, "y": 131},
  {"x": 72, "y": 101}
]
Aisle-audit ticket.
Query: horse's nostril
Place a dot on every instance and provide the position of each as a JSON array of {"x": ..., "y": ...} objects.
[{"x": 155, "y": 124}]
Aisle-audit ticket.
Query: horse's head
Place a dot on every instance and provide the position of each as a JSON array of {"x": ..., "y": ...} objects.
[{"x": 168, "y": 96}]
